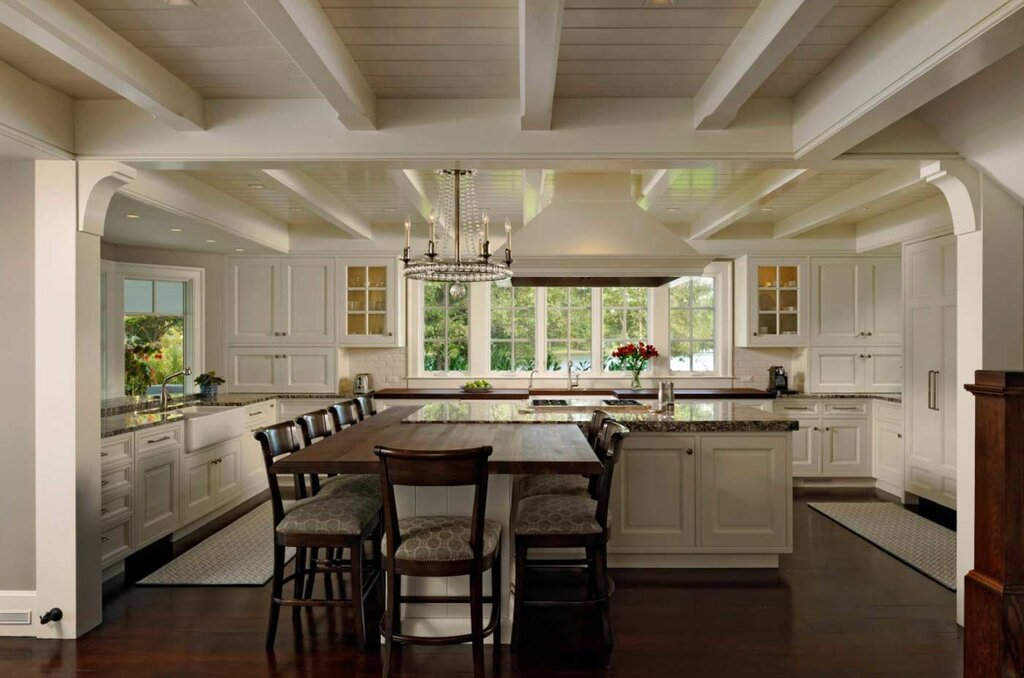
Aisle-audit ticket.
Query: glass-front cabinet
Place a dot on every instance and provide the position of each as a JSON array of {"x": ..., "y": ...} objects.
[
  {"x": 371, "y": 303},
  {"x": 772, "y": 301}
]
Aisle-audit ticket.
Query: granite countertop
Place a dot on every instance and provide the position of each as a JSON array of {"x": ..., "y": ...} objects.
[
  {"x": 886, "y": 397},
  {"x": 696, "y": 416},
  {"x": 523, "y": 394},
  {"x": 116, "y": 424}
]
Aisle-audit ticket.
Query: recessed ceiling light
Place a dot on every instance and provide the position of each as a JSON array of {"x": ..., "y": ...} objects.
[
  {"x": 389, "y": 209},
  {"x": 257, "y": 186},
  {"x": 131, "y": 216},
  {"x": 866, "y": 207},
  {"x": 176, "y": 230},
  {"x": 239, "y": 249},
  {"x": 294, "y": 209},
  {"x": 660, "y": 3},
  {"x": 767, "y": 209},
  {"x": 180, "y": 3},
  {"x": 211, "y": 241},
  {"x": 671, "y": 209}
]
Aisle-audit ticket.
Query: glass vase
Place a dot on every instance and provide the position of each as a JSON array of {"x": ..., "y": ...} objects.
[{"x": 635, "y": 385}]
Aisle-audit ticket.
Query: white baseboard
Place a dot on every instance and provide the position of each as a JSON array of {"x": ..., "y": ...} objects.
[
  {"x": 16, "y": 604},
  {"x": 694, "y": 560}
]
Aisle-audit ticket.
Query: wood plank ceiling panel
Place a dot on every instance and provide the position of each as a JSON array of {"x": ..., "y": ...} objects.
[{"x": 807, "y": 193}]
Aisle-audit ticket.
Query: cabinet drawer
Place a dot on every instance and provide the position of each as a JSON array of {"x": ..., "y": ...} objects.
[
  {"x": 846, "y": 409},
  {"x": 800, "y": 408},
  {"x": 115, "y": 542},
  {"x": 115, "y": 450},
  {"x": 116, "y": 509},
  {"x": 148, "y": 440},
  {"x": 115, "y": 480}
]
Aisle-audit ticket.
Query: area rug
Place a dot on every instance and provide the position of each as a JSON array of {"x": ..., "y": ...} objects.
[
  {"x": 241, "y": 554},
  {"x": 925, "y": 546}
]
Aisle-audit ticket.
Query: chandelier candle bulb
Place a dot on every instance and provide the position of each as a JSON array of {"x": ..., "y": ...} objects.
[
  {"x": 408, "y": 232},
  {"x": 508, "y": 235}
]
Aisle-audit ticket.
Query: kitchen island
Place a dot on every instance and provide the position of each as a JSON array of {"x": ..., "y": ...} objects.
[{"x": 705, "y": 484}]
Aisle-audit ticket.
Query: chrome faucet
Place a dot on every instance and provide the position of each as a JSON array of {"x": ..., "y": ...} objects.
[
  {"x": 163, "y": 385},
  {"x": 530, "y": 387}
]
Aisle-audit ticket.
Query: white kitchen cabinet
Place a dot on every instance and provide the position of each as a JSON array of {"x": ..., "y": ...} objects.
[
  {"x": 887, "y": 447},
  {"x": 156, "y": 496},
  {"x": 253, "y": 469},
  {"x": 284, "y": 369},
  {"x": 931, "y": 393},
  {"x": 845, "y": 448},
  {"x": 210, "y": 478},
  {"x": 856, "y": 302},
  {"x": 280, "y": 300},
  {"x": 371, "y": 293},
  {"x": 772, "y": 296},
  {"x": 653, "y": 501},
  {"x": 856, "y": 369},
  {"x": 115, "y": 542},
  {"x": 744, "y": 490},
  {"x": 807, "y": 449}
]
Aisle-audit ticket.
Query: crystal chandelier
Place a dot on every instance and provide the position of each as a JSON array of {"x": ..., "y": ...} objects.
[{"x": 459, "y": 240}]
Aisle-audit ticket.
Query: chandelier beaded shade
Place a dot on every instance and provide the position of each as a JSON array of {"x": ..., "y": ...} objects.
[{"x": 459, "y": 243}]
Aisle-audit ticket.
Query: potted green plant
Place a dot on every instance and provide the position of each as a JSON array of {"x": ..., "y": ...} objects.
[{"x": 208, "y": 384}]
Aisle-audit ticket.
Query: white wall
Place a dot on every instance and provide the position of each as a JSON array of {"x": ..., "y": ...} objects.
[
  {"x": 213, "y": 264},
  {"x": 17, "y": 357}
]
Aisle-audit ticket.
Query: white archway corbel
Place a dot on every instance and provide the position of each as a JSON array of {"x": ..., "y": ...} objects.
[
  {"x": 961, "y": 184},
  {"x": 98, "y": 180}
]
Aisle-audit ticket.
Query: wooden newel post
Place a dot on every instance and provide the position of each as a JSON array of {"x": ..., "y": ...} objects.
[{"x": 994, "y": 589}]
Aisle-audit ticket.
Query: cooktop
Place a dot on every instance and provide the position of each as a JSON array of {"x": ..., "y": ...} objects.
[{"x": 550, "y": 402}]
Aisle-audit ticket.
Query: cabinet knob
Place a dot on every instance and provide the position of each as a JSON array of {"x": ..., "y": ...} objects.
[
  {"x": 869, "y": 334},
  {"x": 869, "y": 355},
  {"x": 689, "y": 451},
  {"x": 899, "y": 435},
  {"x": 826, "y": 428},
  {"x": 389, "y": 334},
  {"x": 755, "y": 334},
  {"x": 861, "y": 356}
]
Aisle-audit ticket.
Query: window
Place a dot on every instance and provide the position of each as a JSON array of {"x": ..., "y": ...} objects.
[
  {"x": 513, "y": 328},
  {"x": 154, "y": 335},
  {"x": 624, "y": 319},
  {"x": 569, "y": 329},
  {"x": 692, "y": 325},
  {"x": 445, "y": 329}
]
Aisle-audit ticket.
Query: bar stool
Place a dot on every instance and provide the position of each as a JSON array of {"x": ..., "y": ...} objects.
[
  {"x": 440, "y": 546},
  {"x": 533, "y": 485},
  {"x": 366, "y": 406},
  {"x": 344, "y": 414},
  {"x": 568, "y": 521},
  {"x": 335, "y": 522}
]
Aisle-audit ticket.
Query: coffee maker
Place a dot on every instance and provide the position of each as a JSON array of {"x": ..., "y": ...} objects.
[{"x": 778, "y": 380}]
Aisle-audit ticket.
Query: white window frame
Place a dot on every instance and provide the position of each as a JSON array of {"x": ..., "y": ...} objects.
[
  {"x": 417, "y": 308},
  {"x": 114, "y": 274},
  {"x": 721, "y": 272},
  {"x": 599, "y": 331},
  {"x": 486, "y": 314}
]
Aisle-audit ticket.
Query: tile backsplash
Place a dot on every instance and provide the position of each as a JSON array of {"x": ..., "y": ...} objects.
[{"x": 385, "y": 365}]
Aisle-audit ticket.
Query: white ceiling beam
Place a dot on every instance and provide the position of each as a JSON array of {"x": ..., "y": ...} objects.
[
  {"x": 540, "y": 32},
  {"x": 655, "y": 185},
  {"x": 40, "y": 121},
  {"x": 321, "y": 202},
  {"x": 305, "y": 32},
  {"x": 774, "y": 29},
  {"x": 836, "y": 205},
  {"x": 411, "y": 185},
  {"x": 924, "y": 219},
  {"x": 912, "y": 54},
  {"x": 533, "y": 188},
  {"x": 73, "y": 34},
  {"x": 746, "y": 200},
  {"x": 184, "y": 195}
]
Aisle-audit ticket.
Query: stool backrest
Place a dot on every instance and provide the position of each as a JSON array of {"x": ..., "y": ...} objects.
[
  {"x": 614, "y": 433},
  {"x": 597, "y": 420},
  {"x": 315, "y": 426},
  {"x": 276, "y": 441},
  {"x": 366, "y": 406},
  {"x": 428, "y": 468},
  {"x": 344, "y": 414}
]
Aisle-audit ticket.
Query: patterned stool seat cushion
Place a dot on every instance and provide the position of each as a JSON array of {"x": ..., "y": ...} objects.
[
  {"x": 360, "y": 485},
  {"x": 333, "y": 516},
  {"x": 557, "y": 514},
  {"x": 443, "y": 538},
  {"x": 560, "y": 483}
]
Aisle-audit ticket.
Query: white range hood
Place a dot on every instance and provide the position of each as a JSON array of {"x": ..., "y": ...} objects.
[{"x": 593, "y": 228}]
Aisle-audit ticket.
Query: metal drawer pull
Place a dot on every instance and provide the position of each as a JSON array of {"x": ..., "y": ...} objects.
[
  {"x": 253, "y": 414},
  {"x": 104, "y": 454},
  {"x": 840, "y": 407},
  {"x": 796, "y": 408},
  {"x": 158, "y": 440},
  {"x": 103, "y": 511},
  {"x": 104, "y": 540},
  {"x": 104, "y": 483}
]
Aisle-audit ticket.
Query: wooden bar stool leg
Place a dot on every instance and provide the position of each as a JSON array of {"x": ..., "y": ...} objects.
[
  {"x": 519, "y": 609},
  {"x": 496, "y": 605},
  {"x": 357, "y": 595},
  {"x": 303, "y": 588},
  {"x": 391, "y": 615},
  {"x": 601, "y": 572},
  {"x": 476, "y": 617},
  {"x": 328, "y": 584},
  {"x": 276, "y": 592}
]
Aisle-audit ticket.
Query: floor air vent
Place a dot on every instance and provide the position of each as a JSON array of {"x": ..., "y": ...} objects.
[{"x": 18, "y": 618}]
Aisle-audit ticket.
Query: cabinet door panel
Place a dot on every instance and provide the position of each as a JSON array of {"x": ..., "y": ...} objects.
[
  {"x": 309, "y": 370},
  {"x": 228, "y": 470},
  {"x": 156, "y": 496},
  {"x": 888, "y": 453},
  {"x": 198, "y": 486},
  {"x": 924, "y": 451},
  {"x": 653, "y": 498},
  {"x": 807, "y": 450},
  {"x": 844, "y": 449},
  {"x": 835, "y": 308},
  {"x": 309, "y": 300},
  {"x": 836, "y": 370},
  {"x": 253, "y": 369},
  {"x": 253, "y": 300},
  {"x": 881, "y": 300},
  {"x": 744, "y": 495}
]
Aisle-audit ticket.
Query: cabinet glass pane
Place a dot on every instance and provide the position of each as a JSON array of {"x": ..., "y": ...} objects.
[
  {"x": 788, "y": 300},
  {"x": 767, "y": 276},
  {"x": 356, "y": 300},
  {"x": 767, "y": 324},
  {"x": 356, "y": 323},
  {"x": 377, "y": 276},
  {"x": 767, "y": 300},
  {"x": 378, "y": 301},
  {"x": 356, "y": 276},
  {"x": 376, "y": 323},
  {"x": 788, "y": 276},
  {"x": 788, "y": 323}
]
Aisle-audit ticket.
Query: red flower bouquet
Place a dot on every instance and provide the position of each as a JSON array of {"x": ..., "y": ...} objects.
[{"x": 634, "y": 357}]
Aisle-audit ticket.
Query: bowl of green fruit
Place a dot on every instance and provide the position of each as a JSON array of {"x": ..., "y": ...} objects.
[{"x": 477, "y": 386}]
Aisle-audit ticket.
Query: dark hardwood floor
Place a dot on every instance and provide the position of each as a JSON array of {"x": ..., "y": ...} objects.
[{"x": 838, "y": 607}]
